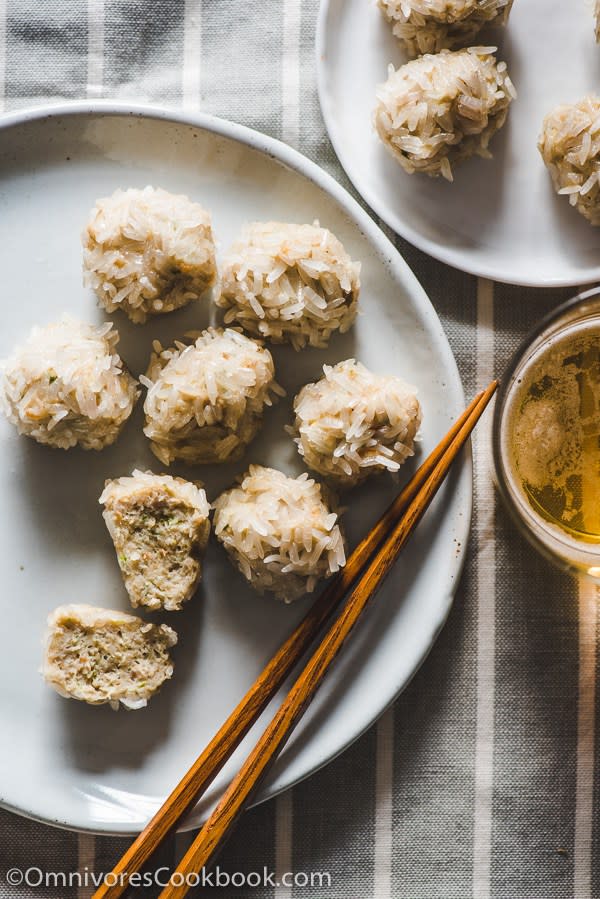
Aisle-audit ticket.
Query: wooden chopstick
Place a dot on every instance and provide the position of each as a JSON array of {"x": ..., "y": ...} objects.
[
  {"x": 215, "y": 755},
  {"x": 276, "y": 734}
]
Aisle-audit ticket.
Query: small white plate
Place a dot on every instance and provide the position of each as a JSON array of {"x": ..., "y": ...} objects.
[
  {"x": 92, "y": 768},
  {"x": 500, "y": 218}
]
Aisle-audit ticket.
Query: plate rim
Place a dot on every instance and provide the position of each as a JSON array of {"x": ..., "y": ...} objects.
[
  {"x": 443, "y": 254},
  {"x": 393, "y": 259}
]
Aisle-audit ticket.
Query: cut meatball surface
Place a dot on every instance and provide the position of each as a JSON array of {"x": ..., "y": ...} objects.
[
  {"x": 159, "y": 526},
  {"x": 104, "y": 656}
]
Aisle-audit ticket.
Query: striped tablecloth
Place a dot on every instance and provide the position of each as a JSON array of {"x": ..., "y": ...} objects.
[{"x": 480, "y": 781}]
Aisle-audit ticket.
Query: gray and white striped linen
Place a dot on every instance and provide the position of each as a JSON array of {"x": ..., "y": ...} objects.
[{"x": 480, "y": 782}]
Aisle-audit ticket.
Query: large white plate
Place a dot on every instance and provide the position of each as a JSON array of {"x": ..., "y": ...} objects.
[
  {"x": 92, "y": 768},
  {"x": 500, "y": 219}
]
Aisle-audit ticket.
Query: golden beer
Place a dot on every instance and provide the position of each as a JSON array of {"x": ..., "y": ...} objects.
[{"x": 547, "y": 436}]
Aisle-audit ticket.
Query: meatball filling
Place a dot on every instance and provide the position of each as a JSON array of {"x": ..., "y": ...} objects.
[
  {"x": 160, "y": 527},
  {"x": 101, "y": 656}
]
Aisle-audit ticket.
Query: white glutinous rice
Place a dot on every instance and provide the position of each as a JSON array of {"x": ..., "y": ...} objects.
[
  {"x": 280, "y": 531},
  {"x": 440, "y": 109},
  {"x": 66, "y": 386},
  {"x": 148, "y": 252},
  {"x": 570, "y": 147},
  {"x": 205, "y": 401},
  {"x": 290, "y": 283},
  {"x": 428, "y": 26},
  {"x": 104, "y": 656},
  {"x": 353, "y": 423},
  {"x": 159, "y": 526}
]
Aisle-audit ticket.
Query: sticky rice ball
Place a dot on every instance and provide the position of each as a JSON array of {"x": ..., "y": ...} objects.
[
  {"x": 353, "y": 423},
  {"x": 291, "y": 283},
  {"x": 103, "y": 656},
  {"x": 570, "y": 147},
  {"x": 428, "y": 26},
  {"x": 280, "y": 532},
  {"x": 159, "y": 526},
  {"x": 205, "y": 401},
  {"x": 66, "y": 386},
  {"x": 148, "y": 252},
  {"x": 435, "y": 111}
]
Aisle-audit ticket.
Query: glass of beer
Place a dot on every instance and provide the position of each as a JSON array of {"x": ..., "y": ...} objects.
[{"x": 547, "y": 435}]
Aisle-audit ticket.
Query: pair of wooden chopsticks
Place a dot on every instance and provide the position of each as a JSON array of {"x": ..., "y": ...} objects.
[{"x": 363, "y": 574}]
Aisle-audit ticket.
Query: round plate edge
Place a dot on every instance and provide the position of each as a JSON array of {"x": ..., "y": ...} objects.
[{"x": 391, "y": 257}]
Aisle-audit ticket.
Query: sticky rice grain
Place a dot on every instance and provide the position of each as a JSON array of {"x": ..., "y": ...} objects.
[
  {"x": 428, "y": 26},
  {"x": 148, "y": 252},
  {"x": 570, "y": 147},
  {"x": 281, "y": 532},
  {"x": 290, "y": 283},
  {"x": 66, "y": 386},
  {"x": 352, "y": 423},
  {"x": 205, "y": 401},
  {"x": 440, "y": 109}
]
